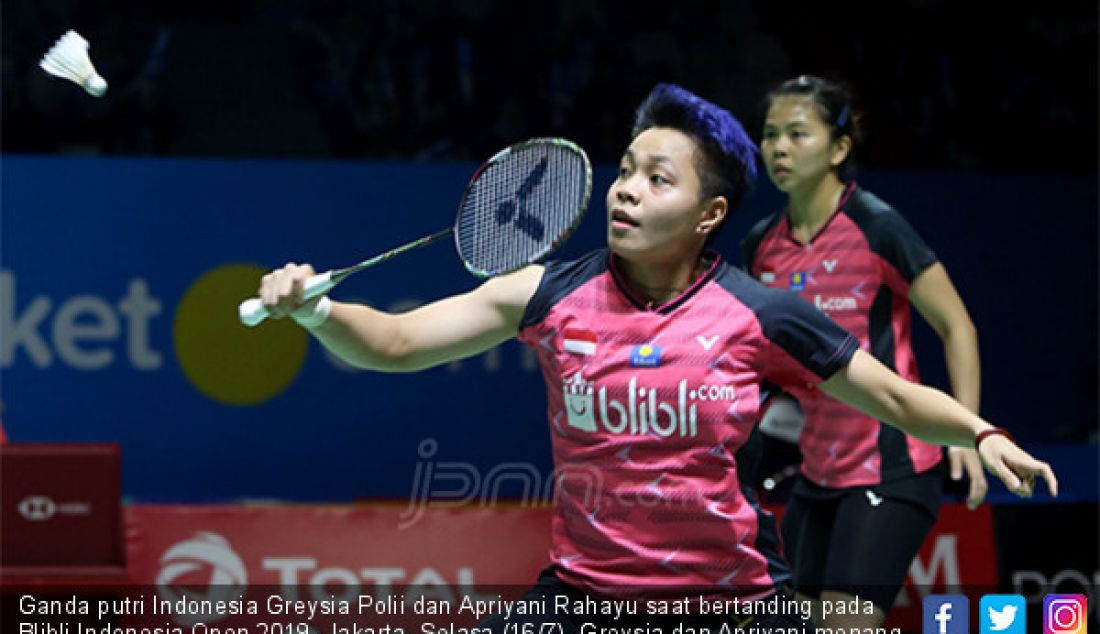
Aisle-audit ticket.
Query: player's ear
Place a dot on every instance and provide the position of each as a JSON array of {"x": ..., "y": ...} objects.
[
  {"x": 713, "y": 213},
  {"x": 840, "y": 150}
]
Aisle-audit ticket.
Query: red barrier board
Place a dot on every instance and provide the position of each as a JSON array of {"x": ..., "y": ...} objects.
[
  {"x": 316, "y": 552},
  {"x": 362, "y": 546},
  {"x": 59, "y": 507}
]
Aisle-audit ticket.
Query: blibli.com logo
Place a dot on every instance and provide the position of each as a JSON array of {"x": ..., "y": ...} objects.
[
  {"x": 946, "y": 614},
  {"x": 1065, "y": 614},
  {"x": 1002, "y": 614},
  {"x": 830, "y": 304},
  {"x": 640, "y": 412}
]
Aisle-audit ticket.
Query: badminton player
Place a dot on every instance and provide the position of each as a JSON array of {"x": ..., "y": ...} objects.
[
  {"x": 869, "y": 493},
  {"x": 653, "y": 351}
]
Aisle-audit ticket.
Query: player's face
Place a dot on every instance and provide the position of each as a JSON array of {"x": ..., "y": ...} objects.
[
  {"x": 797, "y": 148},
  {"x": 655, "y": 205}
]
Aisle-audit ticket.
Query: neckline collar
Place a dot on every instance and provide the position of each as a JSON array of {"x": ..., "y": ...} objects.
[
  {"x": 849, "y": 190},
  {"x": 715, "y": 259}
]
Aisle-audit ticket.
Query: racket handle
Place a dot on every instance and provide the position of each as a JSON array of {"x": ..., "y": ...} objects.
[{"x": 252, "y": 311}]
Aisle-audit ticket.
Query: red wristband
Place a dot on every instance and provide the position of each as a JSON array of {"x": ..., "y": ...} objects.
[{"x": 991, "y": 432}]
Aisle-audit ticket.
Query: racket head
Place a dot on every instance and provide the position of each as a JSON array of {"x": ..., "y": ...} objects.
[{"x": 521, "y": 204}]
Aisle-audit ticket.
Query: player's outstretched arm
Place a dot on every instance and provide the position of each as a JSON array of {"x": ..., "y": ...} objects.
[
  {"x": 452, "y": 328},
  {"x": 937, "y": 300},
  {"x": 933, "y": 416}
]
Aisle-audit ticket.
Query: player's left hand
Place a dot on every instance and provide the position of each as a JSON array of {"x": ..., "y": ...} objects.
[
  {"x": 962, "y": 459},
  {"x": 1015, "y": 467}
]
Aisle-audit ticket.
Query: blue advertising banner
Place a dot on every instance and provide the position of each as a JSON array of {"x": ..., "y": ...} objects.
[{"x": 121, "y": 277}]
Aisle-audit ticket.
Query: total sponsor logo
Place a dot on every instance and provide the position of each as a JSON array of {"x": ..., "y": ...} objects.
[
  {"x": 205, "y": 569},
  {"x": 835, "y": 304},
  {"x": 640, "y": 413},
  {"x": 202, "y": 568}
]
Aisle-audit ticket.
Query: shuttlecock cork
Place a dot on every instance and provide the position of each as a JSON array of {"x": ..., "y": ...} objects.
[{"x": 68, "y": 59}]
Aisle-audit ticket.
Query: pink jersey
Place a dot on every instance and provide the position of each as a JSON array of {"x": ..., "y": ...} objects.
[
  {"x": 647, "y": 407},
  {"x": 857, "y": 270}
]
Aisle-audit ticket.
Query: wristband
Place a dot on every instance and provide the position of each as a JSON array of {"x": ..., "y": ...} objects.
[
  {"x": 992, "y": 431},
  {"x": 312, "y": 317}
]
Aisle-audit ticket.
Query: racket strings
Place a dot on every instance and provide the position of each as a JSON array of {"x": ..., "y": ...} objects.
[{"x": 522, "y": 206}]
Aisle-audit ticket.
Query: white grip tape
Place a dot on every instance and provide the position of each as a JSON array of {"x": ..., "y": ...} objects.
[
  {"x": 252, "y": 311},
  {"x": 315, "y": 316}
]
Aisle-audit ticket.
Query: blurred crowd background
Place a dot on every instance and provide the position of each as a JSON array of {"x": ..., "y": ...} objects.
[
  {"x": 945, "y": 85},
  {"x": 964, "y": 89}
]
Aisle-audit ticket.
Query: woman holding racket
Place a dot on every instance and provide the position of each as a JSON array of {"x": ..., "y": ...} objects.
[
  {"x": 869, "y": 493},
  {"x": 653, "y": 352}
]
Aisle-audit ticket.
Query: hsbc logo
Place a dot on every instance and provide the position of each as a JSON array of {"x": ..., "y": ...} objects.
[
  {"x": 40, "y": 508},
  {"x": 835, "y": 304},
  {"x": 37, "y": 508}
]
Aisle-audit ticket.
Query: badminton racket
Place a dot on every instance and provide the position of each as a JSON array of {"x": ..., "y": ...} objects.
[{"x": 519, "y": 206}]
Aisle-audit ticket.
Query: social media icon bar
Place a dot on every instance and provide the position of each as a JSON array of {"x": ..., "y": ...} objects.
[
  {"x": 1002, "y": 614},
  {"x": 946, "y": 614},
  {"x": 1065, "y": 614}
]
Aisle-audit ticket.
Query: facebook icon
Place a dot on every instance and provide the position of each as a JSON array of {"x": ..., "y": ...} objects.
[{"x": 946, "y": 614}]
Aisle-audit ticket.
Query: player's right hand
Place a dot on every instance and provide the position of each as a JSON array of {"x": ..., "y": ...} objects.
[
  {"x": 282, "y": 290},
  {"x": 1015, "y": 467}
]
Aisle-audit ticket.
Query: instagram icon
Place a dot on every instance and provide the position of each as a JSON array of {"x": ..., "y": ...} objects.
[{"x": 1064, "y": 614}]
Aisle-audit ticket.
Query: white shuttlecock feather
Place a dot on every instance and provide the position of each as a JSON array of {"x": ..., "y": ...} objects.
[{"x": 68, "y": 59}]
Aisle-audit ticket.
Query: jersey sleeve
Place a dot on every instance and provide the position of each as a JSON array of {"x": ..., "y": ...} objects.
[
  {"x": 751, "y": 242},
  {"x": 805, "y": 347},
  {"x": 558, "y": 280},
  {"x": 897, "y": 243}
]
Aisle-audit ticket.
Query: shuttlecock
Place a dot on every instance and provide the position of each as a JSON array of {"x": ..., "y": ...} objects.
[{"x": 68, "y": 59}]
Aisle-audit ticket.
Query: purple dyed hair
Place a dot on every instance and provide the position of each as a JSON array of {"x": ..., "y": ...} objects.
[{"x": 728, "y": 165}]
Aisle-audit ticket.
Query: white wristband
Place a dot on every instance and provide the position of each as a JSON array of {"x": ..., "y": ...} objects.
[{"x": 311, "y": 318}]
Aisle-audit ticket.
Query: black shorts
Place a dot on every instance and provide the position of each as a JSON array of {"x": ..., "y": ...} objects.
[
  {"x": 860, "y": 540},
  {"x": 550, "y": 586}
]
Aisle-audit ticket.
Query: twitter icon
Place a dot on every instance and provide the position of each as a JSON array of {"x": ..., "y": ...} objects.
[{"x": 1003, "y": 614}]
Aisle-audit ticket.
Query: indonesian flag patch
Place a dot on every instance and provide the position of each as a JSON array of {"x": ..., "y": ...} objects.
[{"x": 580, "y": 341}]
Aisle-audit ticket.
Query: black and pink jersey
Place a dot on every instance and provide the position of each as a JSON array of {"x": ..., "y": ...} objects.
[
  {"x": 857, "y": 270},
  {"x": 647, "y": 407}
]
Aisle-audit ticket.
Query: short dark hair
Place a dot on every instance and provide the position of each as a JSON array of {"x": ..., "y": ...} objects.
[
  {"x": 727, "y": 161},
  {"x": 834, "y": 105}
]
